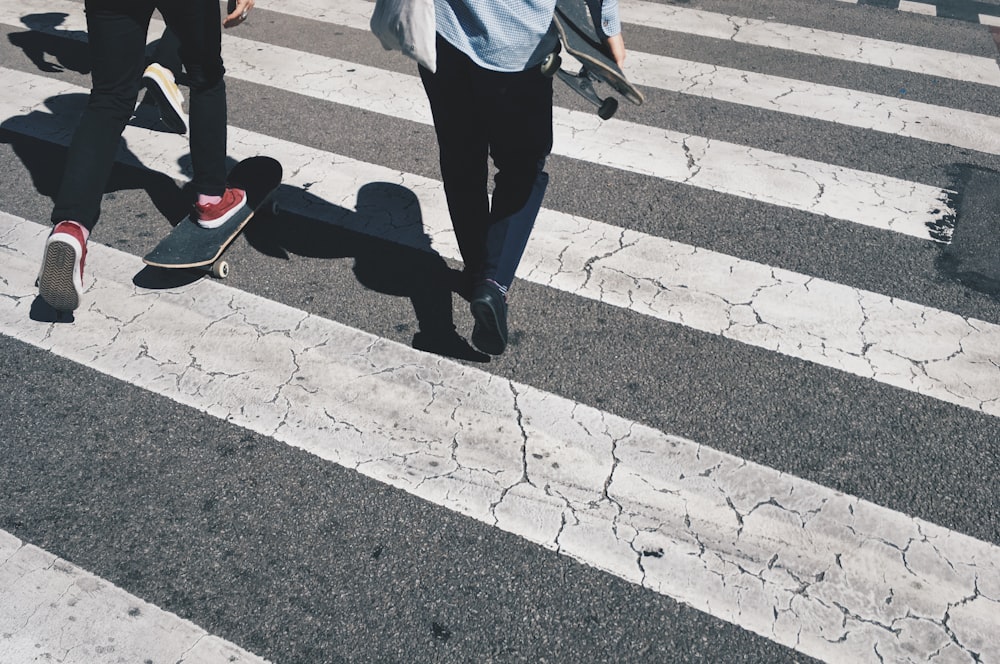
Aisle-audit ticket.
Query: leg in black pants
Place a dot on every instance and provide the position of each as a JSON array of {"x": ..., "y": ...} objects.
[
  {"x": 117, "y": 36},
  {"x": 480, "y": 113}
]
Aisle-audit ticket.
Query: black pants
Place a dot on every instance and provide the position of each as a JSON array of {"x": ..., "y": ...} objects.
[
  {"x": 117, "y": 35},
  {"x": 478, "y": 114}
]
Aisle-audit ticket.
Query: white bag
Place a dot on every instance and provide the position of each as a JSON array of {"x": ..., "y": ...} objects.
[{"x": 408, "y": 26}]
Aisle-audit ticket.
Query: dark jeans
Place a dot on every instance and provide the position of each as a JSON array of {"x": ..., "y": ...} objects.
[
  {"x": 117, "y": 35},
  {"x": 480, "y": 114}
]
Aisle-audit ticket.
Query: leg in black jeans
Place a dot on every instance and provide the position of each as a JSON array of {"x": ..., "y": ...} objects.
[
  {"x": 480, "y": 113},
  {"x": 198, "y": 27},
  {"x": 117, "y": 35}
]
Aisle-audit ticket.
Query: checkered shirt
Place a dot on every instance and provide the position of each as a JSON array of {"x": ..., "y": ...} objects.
[{"x": 508, "y": 35}]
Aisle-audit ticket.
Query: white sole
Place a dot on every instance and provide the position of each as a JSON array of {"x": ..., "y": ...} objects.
[{"x": 59, "y": 282}]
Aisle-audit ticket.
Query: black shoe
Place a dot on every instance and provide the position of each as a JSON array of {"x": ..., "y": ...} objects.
[
  {"x": 448, "y": 344},
  {"x": 489, "y": 309}
]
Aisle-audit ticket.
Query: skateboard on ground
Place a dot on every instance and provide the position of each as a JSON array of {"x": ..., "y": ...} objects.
[
  {"x": 190, "y": 246},
  {"x": 580, "y": 37}
]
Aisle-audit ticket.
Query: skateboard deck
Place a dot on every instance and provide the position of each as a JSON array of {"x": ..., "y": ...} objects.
[
  {"x": 578, "y": 34},
  {"x": 190, "y": 246}
]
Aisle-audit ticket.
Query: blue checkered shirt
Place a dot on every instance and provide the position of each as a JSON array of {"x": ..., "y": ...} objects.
[{"x": 508, "y": 35}]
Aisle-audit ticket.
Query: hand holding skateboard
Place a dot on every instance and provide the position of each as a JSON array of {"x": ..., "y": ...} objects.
[
  {"x": 601, "y": 62},
  {"x": 237, "y": 12}
]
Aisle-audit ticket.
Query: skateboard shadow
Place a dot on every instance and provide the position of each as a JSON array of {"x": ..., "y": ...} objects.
[{"x": 402, "y": 265}]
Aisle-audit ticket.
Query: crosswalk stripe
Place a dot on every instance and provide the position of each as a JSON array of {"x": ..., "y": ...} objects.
[
  {"x": 844, "y": 106},
  {"x": 965, "y": 9},
  {"x": 903, "y": 344},
  {"x": 917, "y": 8},
  {"x": 671, "y": 18},
  {"x": 811, "y": 568},
  {"x": 870, "y": 199},
  {"x": 80, "y": 617},
  {"x": 927, "y": 122},
  {"x": 838, "y": 46},
  {"x": 848, "y": 107}
]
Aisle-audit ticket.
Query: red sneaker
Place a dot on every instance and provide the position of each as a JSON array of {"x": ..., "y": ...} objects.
[
  {"x": 216, "y": 214},
  {"x": 60, "y": 282}
]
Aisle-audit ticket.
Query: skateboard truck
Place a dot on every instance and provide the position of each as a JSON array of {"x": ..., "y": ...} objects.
[
  {"x": 582, "y": 83},
  {"x": 581, "y": 38}
]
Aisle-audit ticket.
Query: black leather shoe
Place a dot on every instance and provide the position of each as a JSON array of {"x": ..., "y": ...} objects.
[{"x": 489, "y": 309}]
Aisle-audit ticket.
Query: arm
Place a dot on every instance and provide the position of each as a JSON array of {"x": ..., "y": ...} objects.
[
  {"x": 237, "y": 12},
  {"x": 612, "y": 27}
]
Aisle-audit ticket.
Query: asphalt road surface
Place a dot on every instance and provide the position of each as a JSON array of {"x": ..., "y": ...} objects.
[{"x": 750, "y": 411}]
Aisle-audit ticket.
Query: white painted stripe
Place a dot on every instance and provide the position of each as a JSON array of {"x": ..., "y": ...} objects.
[
  {"x": 927, "y": 122},
  {"x": 904, "y": 57},
  {"x": 826, "y": 190},
  {"x": 862, "y": 50},
  {"x": 851, "y": 48},
  {"x": 974, "y": 131},
  {"x": 890, "y": 115},
  {"x": 988, "y": 19},
  {"x": 54, "y": 611},
  {"x": 892, "y": 341},
  {"x": 917, "y": 7},
  {"x": 830, "y": 575},
  {"x": 754, "y": 32}
]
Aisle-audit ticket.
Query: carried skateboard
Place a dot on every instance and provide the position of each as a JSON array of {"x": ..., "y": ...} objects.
[
  {"x": 190, "y": 246},
  {"x": 578, "y": 34}
]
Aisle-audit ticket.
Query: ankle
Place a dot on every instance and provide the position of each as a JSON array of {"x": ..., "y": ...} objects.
[{"x": 500, "y": 287}]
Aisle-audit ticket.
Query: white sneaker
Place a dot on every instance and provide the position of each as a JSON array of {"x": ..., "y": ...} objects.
[{"x": 159, "y": 82}]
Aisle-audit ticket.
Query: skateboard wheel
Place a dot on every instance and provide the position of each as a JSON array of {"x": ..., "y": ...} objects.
[
  {"x": 220, "y": 269},
  {"x": 608, "y": 108},
  {"x": 550, "y": 65},
  {"x": 275, "y": 209}
]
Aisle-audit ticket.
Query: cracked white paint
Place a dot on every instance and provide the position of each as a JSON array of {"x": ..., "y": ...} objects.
[
  {"x": 51, "y": 610},
  {"x": 823, "y": 43},
  {"x": 827, "y": 190},
  {"x": 890, "y": 115},
  {"x": 894, "y": 55},
  {"x": 917, "y": 348},
  {"x": 828, "y": 574}
]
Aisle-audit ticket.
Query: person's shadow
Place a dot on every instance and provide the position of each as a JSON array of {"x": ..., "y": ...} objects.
[
  {"x": 44, "y": 38},
  {"x": 406, "y": 267}
]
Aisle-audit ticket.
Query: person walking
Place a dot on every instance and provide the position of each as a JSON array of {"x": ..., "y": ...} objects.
[
  {"x": 489, "y": 98},
  {"x": 116, "y": 32}
]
